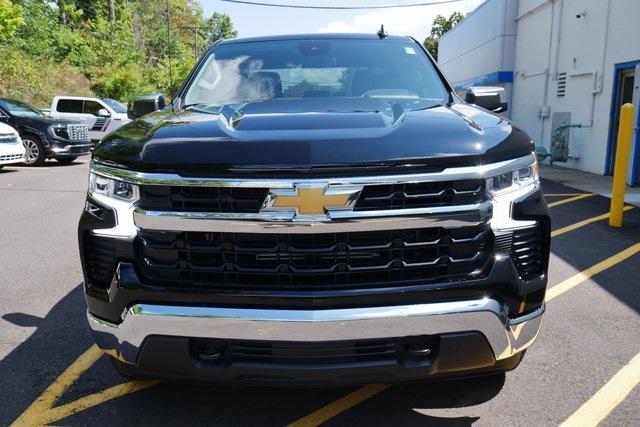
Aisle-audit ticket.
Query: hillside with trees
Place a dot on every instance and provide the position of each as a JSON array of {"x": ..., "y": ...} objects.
[{"x": 110, "y": 48}]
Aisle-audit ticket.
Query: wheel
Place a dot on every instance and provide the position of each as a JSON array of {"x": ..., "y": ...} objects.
[
  {"x": 126, "y": 370},
  {"x": 35, "y": 153},
  {"x": 65, "y": 160}
]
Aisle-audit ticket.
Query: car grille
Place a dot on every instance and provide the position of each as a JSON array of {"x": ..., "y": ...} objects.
[
  {"x": 78, "y": 132},
  {"x": 10, "y": 157},
  {"x": 314, "y": 261},
  {"x": 421, "y": 195},
  {"x": 8, "y": 138},
  {"x": 527, "y": 252},
  {"x": 202, "y": 199},
  {"x": 250, "y": 200}
]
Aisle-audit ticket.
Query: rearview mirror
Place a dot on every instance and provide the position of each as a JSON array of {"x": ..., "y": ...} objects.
[
  {"x": 487, "y": 97},
  {"x": 103, "y": 113},
  {"x": 143, "y": 105}
]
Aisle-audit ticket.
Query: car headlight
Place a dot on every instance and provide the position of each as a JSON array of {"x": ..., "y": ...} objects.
[
  {"x": 112, "y": 188},
  {"x": 514, "y": 180}
]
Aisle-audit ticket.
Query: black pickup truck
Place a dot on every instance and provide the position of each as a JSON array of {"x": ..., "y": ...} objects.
[{"x": 315, "y": 209}]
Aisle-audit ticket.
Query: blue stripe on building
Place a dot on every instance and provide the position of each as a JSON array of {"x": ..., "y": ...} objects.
[{"x": 486, "y": 79}]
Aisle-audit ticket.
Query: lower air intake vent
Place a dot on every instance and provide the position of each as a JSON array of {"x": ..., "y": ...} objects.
[
  {"x": 527, "y": 252},
  {"x": 101, "y": 259}
]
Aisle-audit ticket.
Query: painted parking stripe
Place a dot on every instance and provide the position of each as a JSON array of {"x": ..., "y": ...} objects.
[
  {"x": 560, "y": 288},
  {"x": 339, "y": 406},
  {"x": 42, "y": 411},
  {"x": 601, "y": 404},
  {"x": 580, "y": 224},
  {"x": 581, "y": 277},
  {"x": 570, "y": 199}
]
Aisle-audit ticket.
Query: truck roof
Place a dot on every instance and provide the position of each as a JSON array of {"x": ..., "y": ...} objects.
[{"x": 317, "y": 36}]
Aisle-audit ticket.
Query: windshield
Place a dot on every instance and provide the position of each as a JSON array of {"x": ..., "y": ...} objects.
[
  {"x": 20, "y": 109},
  {"x": 393, "y": 70},
  {"x": 115, "y": 105}
]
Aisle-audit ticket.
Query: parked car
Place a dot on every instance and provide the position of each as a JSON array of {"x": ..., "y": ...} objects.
[
  {"x": 45, "y": 137},
  {"x": 11, "y": 148},
  {"x": 100, "y": 115},
  {"x": 315, "y": 209}
]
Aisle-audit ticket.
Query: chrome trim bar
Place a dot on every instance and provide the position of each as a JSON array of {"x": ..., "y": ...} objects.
[
  {"x": 488, "y": 316},
  {"x": 448, "y": 174},
  {"x": 339, "y": 221}
]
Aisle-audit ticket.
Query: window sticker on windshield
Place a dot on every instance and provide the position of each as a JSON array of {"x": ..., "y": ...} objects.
[{"x": 409, "y": 51}]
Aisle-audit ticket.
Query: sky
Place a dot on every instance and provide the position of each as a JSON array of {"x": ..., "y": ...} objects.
[{"x": 261, "y": 21}]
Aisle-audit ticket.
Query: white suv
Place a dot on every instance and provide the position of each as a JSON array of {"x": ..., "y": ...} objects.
[
  {"x": 101, "y": 115},
  {"x": 11, "y": 148}
]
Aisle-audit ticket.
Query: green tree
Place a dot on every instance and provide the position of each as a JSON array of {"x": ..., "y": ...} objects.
[
  {"x": 219, "y": 26},
  {"x": 113, "y": 48},
  {"x": 439, "y": 27},
  {"x": 10, "y": 19}
]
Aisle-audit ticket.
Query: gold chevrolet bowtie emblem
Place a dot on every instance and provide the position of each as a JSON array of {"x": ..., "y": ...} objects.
[{"x": 311, "y": 201}]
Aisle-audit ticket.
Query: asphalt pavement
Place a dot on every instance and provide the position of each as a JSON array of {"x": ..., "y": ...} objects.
[{"x": 581, "y": 369}]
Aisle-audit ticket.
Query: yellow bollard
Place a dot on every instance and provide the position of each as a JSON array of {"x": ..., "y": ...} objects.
[{"x": 625, "y": 133}]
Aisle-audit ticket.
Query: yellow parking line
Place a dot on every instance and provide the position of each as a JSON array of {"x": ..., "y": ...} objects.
[
  {"x": 46, "y": 400},
  {"x": 63, "y": 411},
  {"x": 577, "y": 225},
  {"x": 601, "y": 404},
  {"x": 339, "y": 406},
  {"x": 570, "y": 199},
  {"x": 42, "y": 411},
  {"x": 574, "y": 281}
]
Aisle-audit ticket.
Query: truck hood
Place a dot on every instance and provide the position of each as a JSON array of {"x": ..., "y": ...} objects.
[{"x": 299, "y": 136}]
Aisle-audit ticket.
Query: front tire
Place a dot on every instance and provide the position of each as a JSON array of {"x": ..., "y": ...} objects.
[
  {"x": 35, "y": 153},
  {"x": 65, "y": 160}
]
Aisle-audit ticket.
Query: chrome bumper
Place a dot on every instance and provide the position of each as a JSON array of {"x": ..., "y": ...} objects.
[{"x": 488, "y": 316}]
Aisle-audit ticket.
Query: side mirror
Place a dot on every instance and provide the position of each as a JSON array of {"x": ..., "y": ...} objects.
[
  {"x": 487, "y": 97},
  {"x": 143, "y": 105},
  {"x": 103, "y": 113}
]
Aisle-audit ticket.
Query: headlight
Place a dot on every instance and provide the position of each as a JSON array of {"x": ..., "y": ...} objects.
[
  {"x": 112, "y": 188},
  {"x": 511, "y": 181}
]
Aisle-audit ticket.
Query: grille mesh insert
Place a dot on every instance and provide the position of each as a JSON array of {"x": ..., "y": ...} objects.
[
  {"x": 202, "y": 199},
  {"x": 421, "y": 195},
  {"x": 314, "y": 261}
]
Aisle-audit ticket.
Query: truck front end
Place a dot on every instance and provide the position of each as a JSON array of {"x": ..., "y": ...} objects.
[{"x": 362, "y": 226}]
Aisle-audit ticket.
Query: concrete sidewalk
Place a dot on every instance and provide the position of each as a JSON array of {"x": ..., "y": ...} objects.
[{"x": 588, "y": 182}]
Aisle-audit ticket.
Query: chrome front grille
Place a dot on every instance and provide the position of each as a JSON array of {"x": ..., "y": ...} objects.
[
  {"x": 78, "y": 132},
  {"x": 314, "y": 261},
  {"x": 8, "y": 138}
]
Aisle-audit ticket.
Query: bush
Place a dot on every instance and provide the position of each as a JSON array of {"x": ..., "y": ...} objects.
[{"x": 36, "y": 82}]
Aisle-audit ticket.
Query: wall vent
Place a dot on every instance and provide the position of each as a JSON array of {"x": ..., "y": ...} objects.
[{"x": 561, "y": 90}]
